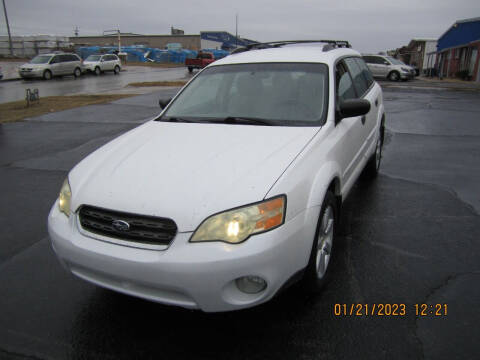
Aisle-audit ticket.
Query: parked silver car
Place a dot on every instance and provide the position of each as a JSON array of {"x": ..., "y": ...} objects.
[
  {"x": 100, "y": 63},
  {"x": 388, "y": 67},
  {"x": 48, "y": 65}
]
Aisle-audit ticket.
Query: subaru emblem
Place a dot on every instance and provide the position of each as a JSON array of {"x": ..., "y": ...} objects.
[{"x": 120, "y": 225}]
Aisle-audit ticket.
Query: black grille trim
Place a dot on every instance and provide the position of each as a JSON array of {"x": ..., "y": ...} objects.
[{"x": 144, "y": 229}]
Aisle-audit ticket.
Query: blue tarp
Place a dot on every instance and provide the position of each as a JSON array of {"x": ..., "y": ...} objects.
[{"x": 140, "y": 53}]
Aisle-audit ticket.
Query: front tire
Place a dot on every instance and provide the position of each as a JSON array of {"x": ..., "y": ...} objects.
[
  {"x": 394, "y": 76},
  {"x": 47, "y": 75},
  {"x": 116, "y": 70},
  {"x": 77, "y": 72},
  {"x": 190, "y": 69},
  {"x": 318, "y": 269},
  {"x": 97, "y": 71}
]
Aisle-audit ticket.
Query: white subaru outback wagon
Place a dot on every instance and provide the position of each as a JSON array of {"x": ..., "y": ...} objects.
[{"x": 235, "y": 189}]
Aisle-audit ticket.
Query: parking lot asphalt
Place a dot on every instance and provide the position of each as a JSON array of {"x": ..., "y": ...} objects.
[
  {"x": 88, "y": 83},
  {"x": 409, "y": 237}
]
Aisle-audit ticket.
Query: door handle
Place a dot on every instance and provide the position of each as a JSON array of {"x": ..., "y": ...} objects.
[
  {"x": 376, "y": 102},
  {"x": 364, "y": 118}
]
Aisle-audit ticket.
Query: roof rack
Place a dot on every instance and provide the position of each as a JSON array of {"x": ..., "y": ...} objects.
[{"x": 331, "y": 44}]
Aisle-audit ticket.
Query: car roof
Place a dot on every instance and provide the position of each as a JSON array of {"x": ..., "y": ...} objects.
[{"x": 308, "y": 53}]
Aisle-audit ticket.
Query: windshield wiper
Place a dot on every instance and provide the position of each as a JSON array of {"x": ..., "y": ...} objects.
[{"x": 241, "y": 120}]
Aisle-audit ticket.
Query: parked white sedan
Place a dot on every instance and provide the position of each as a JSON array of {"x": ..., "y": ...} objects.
[
  {"x": 98, "y": 64},
  {"x": 235, "y": 190}
]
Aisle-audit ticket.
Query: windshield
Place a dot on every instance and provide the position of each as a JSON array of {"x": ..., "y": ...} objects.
[
  {"x": 292, "y": 94},
  {"x": 93, "y": 58},
  {"x": 395, "y": 61},
  {"x": 40, "y": 59}
]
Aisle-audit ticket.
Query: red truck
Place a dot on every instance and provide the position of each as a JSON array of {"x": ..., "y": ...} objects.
[{"x": 202, "y": 60}]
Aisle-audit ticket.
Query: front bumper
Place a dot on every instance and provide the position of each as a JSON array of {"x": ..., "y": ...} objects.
[
  {"x": 407, "y": 75},
  {"x": 191, "y": 275},
  {"x": 30, "y": 74}
]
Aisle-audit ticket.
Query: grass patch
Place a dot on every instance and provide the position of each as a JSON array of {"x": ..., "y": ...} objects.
[
  {"x": 18, "y": 110},
  {"x": 158, "y": 83}
]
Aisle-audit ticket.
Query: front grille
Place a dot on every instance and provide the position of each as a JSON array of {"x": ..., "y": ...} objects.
[{"x": 143, "y": 229}]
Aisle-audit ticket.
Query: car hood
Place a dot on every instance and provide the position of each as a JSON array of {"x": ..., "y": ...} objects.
[
  {"x": 186, "y": 171},
  {"x": 90, "y": 62}
]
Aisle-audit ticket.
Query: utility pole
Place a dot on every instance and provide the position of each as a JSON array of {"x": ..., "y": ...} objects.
[
  {"x": 118, "y": 32},
  {"x": 76, "y": 31},
  {"x": 236, "y": 30},
  {"x": 8, "y": 28}
]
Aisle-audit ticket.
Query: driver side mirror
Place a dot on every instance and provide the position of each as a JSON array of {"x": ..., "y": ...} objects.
[
  {"x": 164, "y": 102},
  {"x": 352, "y": 107}
]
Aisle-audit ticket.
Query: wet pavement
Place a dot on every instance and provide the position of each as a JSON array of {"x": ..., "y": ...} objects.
[
  {"x": 410, "y": 237},
  {"x": 88, "y": 83}
]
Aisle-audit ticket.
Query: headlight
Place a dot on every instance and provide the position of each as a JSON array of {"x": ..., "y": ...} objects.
[
  {"x": 405, "y": 69},
  {"x": 64, "y": 198},
  {"x": 237, "y": 225}
]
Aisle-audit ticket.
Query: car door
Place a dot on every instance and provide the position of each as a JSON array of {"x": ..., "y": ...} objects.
[
  {"x": 104, "y": 63},
  {"x": 56, "y": 65},
  {"x": 383, "y": 66},
  {"x": 70, "y": 64},
  {"x": 365, "y": 89},
  {"x": 112, "y": 62},
  {"x": 348, "y": 130}
]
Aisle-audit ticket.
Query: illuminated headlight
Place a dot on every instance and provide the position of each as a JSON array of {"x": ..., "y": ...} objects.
[
  {"x": 237, "y": 225},
  {"x": 64, "y": 198}
]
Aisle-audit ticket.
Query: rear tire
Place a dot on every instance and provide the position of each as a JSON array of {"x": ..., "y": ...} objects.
[
  {"x": 394, "y": 76},
  {"x": 47, "y": 75},
  {"x": 97, "y": 71},
  {"x": 116, "y": 70},
  {"x": 190, "y": 69},
  {"x": 318, "y": 269}
]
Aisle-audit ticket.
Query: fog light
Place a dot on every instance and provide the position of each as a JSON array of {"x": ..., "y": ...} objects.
[{"x": 251, "y": 284}]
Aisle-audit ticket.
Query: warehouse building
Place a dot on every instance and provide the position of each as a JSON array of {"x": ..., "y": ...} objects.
[
  {"x": 191, "y": 42},
  {"x": 458, "y": 50}
]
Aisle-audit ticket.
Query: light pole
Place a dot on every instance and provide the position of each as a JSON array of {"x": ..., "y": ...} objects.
[{"x": 8, "y": 28}]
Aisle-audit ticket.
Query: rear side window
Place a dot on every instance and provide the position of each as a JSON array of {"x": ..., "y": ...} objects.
[
  {"x": 73, "y": 57},
  {"x": 359, "y": 80},
  {"x": 370, "y": 59},
  {"x": 365, "y": 71},
  {"x": 63, "y": 58}
]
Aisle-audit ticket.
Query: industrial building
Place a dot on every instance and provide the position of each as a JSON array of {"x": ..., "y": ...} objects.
[
  {"x": 221, "y": 40},
  {"x": 29, "y": 46},
  {"x": 458, "y": 50},
  {"x": 191, "y": 42}
]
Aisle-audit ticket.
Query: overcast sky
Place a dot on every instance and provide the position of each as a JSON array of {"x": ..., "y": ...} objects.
[{"x": 370, "y": 25}]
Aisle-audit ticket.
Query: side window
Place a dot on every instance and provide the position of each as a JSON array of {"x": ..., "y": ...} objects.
[
  {"x": 55, "y": 60},
  {"x": 359, "y": 80},
  {"x": 74, "y": 57},
  {"x": 345, "y": 89},
  {"x": 369, "y": 59},
  {"x": 365, "y": 71}
]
